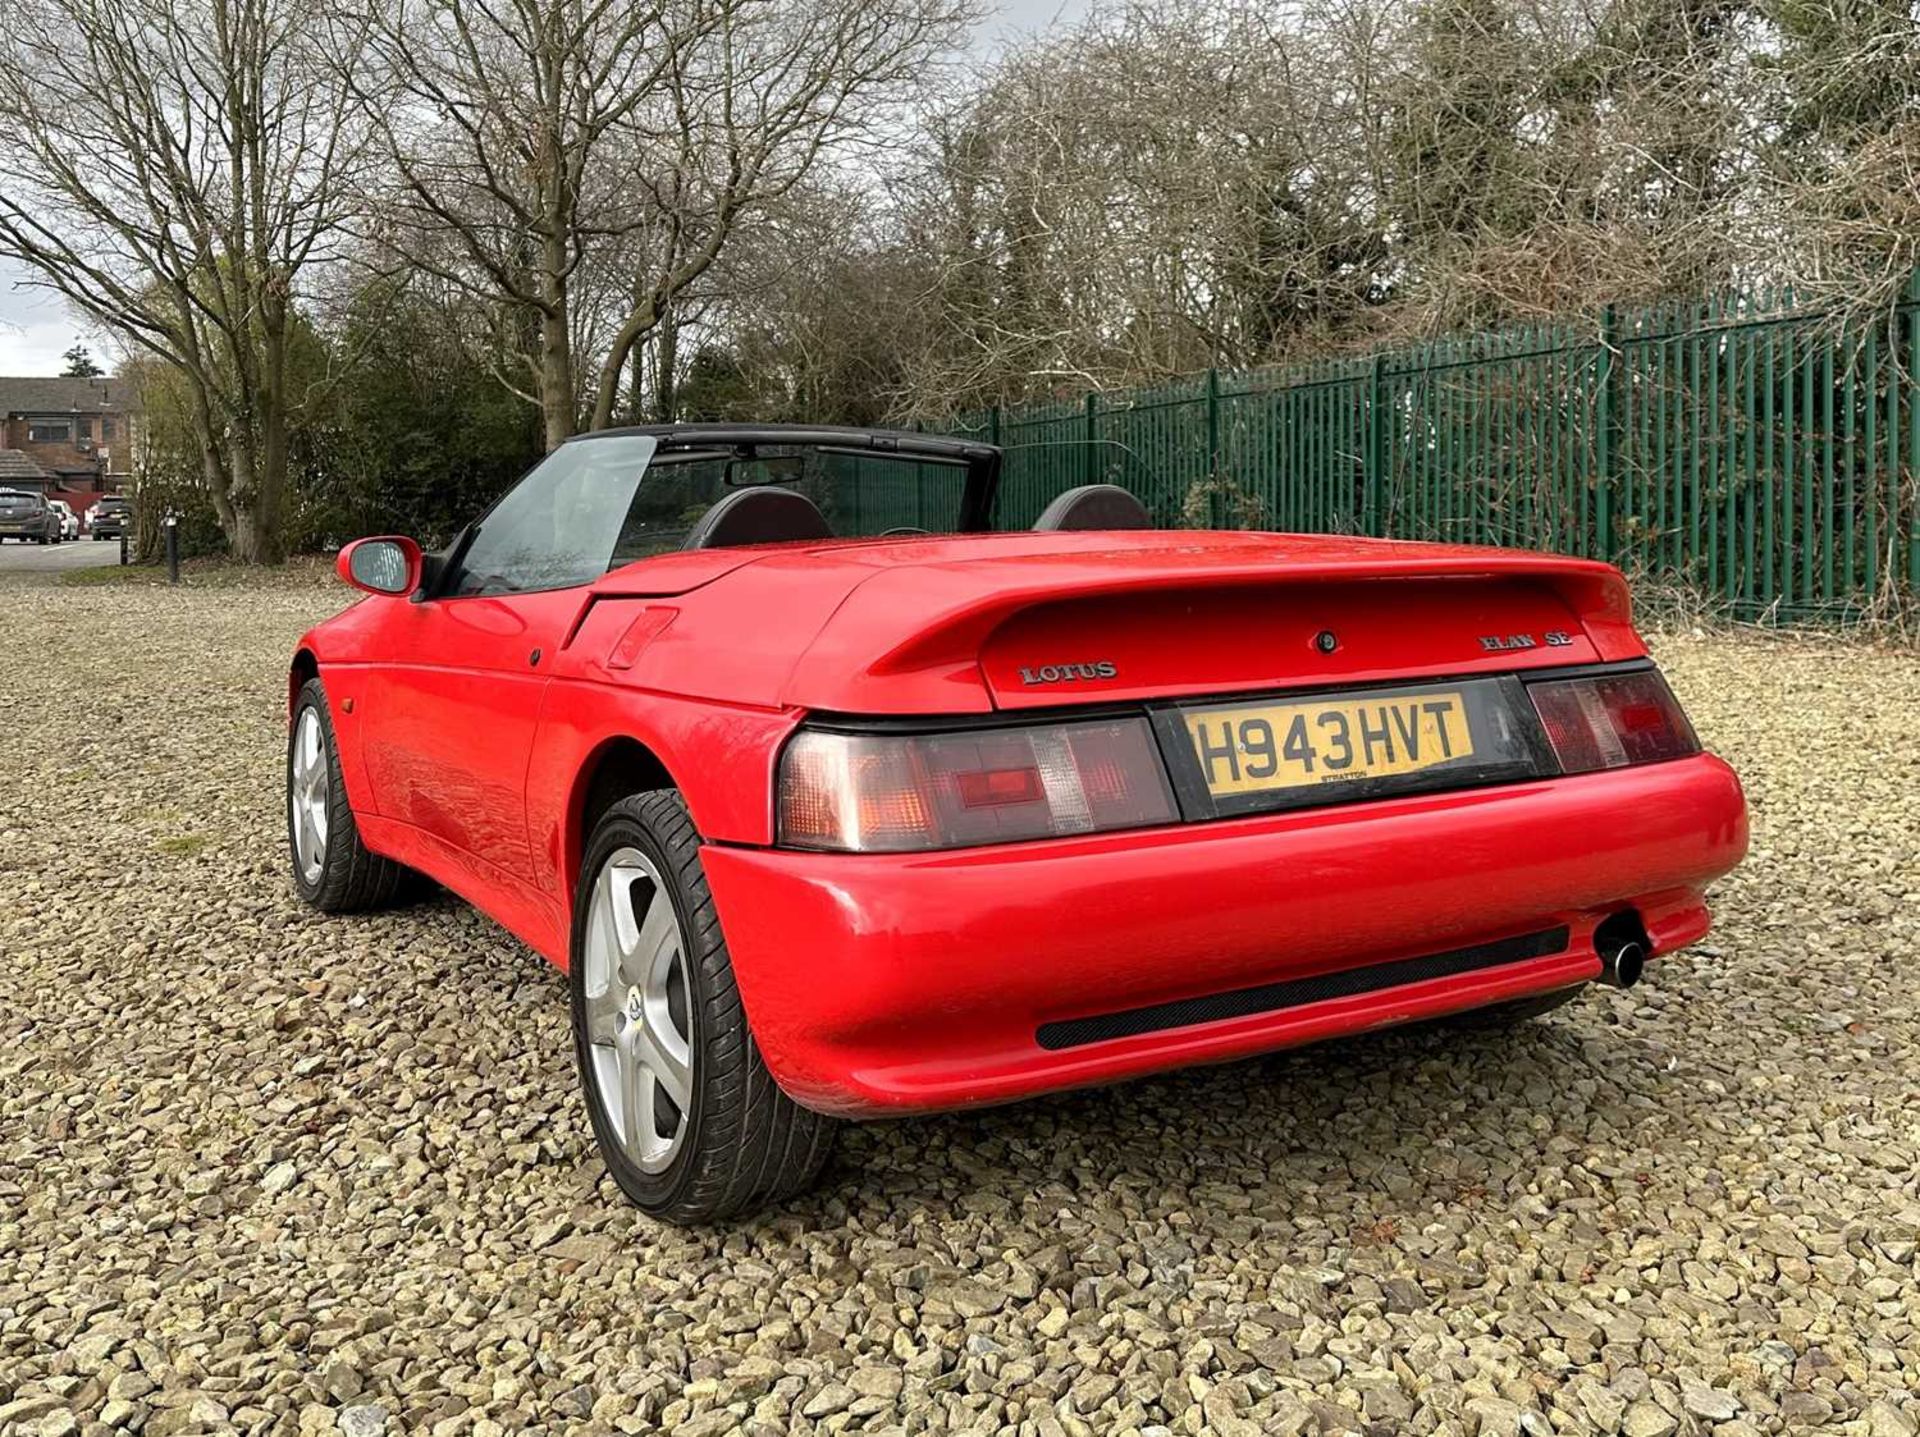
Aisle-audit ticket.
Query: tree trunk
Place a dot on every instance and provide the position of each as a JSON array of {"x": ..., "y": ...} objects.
[
  {"x": 270, "y": 462},
  {"x": 253, "y": 537},
  {"x": 637, "y": 364},
  {"x": 213, "y": 473},
  {"x": 556, "y": 376},
  {"x": 251, "y": 541},
  {"x": 270, "y": 487},
  {"x": 666, "y": 398},
  {"x": 637, "y": 385}
]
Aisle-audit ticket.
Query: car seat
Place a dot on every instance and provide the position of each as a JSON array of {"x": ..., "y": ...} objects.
[
  {"x": 1095, "y": 506},
  {"x": 762, "y": 515}
]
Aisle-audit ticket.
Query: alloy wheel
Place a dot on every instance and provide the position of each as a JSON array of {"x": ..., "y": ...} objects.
[
  {"x": 307, "y": 787},
  {"x": 638, "y": 1022}
]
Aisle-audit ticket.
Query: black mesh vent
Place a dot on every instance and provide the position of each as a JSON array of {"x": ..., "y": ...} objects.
[{"x": 1298, "y": 992}]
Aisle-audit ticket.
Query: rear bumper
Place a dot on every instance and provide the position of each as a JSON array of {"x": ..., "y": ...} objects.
[{"x": 899, "y": 983}]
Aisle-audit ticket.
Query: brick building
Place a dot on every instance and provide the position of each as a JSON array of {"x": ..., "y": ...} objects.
[{"x": 69, "y": 439}]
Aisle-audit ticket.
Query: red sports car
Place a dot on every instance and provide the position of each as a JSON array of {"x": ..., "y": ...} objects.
[{"x": 832, "y": 802}]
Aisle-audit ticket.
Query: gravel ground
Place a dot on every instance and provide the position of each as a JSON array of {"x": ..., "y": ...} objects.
[{"x": 263, "y": 1171}]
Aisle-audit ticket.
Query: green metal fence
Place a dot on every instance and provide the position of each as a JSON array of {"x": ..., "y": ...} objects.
[{"x": 1766, "y": 455}]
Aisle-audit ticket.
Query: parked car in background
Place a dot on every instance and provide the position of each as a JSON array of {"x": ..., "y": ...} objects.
[
  {"x": 26, "y": 517},
  {"x": 111, "y": 517},
  {"x": 69, "y": 521}
]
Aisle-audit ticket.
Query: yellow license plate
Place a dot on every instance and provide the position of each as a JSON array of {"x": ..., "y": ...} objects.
[{"x": 1318, "y": 741}]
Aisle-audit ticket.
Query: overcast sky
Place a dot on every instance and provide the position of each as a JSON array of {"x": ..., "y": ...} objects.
[{"x": 36, "y": 328}]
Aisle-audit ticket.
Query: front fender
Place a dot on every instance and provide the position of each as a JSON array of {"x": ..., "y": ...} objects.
[{"x": 317, "y": 654}]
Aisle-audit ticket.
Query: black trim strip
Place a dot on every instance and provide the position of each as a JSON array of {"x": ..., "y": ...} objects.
[
  {"x": 914, "y": 725},
  {"x": 1583, "y": 671},
  {"x": 1298, "y": 992},
  {"x": 1094, "y": 708}
]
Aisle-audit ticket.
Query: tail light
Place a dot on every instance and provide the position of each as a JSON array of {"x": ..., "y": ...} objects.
[
  {"x": 1612, "y": 720},
  {"x": 892, "y": 793}
]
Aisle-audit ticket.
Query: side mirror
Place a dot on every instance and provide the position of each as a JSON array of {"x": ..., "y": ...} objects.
[{"x": 388, "y": 565}]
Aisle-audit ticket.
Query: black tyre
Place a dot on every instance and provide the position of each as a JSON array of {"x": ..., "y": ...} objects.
[
  {"x": 1521, "y": 1010},
  {"x": 687, "y": 1117},
  {"x": 332, "y": 869}
]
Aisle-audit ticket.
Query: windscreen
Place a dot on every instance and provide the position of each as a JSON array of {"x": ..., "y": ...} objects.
[{"x": 595, "y": 505}]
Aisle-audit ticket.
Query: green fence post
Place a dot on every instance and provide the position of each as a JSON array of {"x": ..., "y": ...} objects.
[
  {"x": 1606, "y": 453},
  {"x": 1374, "y": 520},
  {"x": 1913, "y": 432},
  {"x": 1213, "y": 448},
  {"x": 1092, "y": 475},
  {"x": 993, "y": 426},
  {"x": 1213, "y": 420}
]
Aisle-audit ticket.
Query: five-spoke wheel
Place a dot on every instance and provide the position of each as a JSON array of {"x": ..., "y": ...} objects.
[
  {"x": 307, "y": 793},
  {"x": 332, "y": 869},
  {"x": 688, "y": 1119},
  {"x": 637, "y": 1019}
]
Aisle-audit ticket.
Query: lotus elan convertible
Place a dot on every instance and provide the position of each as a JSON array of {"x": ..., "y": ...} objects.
[{"x": 833, "y": 802}]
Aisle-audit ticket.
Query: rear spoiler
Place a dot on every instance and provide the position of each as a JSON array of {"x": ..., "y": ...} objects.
[{"x": 928, "y": 623}]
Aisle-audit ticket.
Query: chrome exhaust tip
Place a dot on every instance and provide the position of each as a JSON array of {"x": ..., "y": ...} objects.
[
  {"x": 1622, "y": 943},
  {"x": 1622, "y": 963}
]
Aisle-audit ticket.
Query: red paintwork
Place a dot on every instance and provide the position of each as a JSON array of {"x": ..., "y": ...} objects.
[
  {"x": 881, "y": 983},
  {"x": 924, "y": 977},
  {"x": 1239, "y": 639}
]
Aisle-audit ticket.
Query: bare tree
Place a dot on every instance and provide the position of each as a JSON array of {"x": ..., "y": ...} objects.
[
  {"x": 546, "y": 148},
  {"x": 1174, "y": 184},
  {"x": 1165, "y": 186},
  {"x": 174, "y": 168},
  {"x": 814, "y": 317}
]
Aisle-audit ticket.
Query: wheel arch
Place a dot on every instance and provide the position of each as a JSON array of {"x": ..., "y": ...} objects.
[
  {"x": 305, "y": 666},
  {"x": 618, "y": 767}
]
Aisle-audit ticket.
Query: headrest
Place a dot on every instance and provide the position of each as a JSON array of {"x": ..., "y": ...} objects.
[
  {"x": 762, "y": 515},
  {"x": 1095, "y": 506}
]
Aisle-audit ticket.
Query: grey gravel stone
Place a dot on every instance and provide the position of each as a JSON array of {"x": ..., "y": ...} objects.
[
  {"x": 1649, "y": 1419},
  {"x": 296, "y": 1169},
  {"x": 118, "y": 1413},
  {"x": 752, "y": 1376},
  {"x": 970, "y": 1299},
  {"x": 130, "y": 1386},
  {"x": 1886, "y": 1420},
  {"x": 1605, "y": 1408},
  {"x": 28, "y": 1409},
  {"x": 365, "y": 1419},
  {"x": 1707, "y": 1402},
  {"x": 1805, "y": 1409},
  {"x": 1496, "y": 1416},
  {"x": 876, "y": 1381},
  {"x": 834, "y": 1397},
  {"x": 708, "y": 1424}
]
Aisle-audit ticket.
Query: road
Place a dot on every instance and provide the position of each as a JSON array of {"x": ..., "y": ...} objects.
[{"x": 54, "y": 559}]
